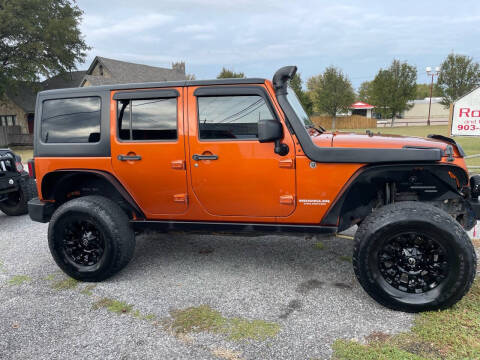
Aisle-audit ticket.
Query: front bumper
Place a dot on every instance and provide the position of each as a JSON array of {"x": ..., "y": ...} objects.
[
  {"x": 475, "y": 204},
  {"x": 9, "y": 182},
  {"x": 40, "y": 211},
  {"x": 475, "y": 193}
]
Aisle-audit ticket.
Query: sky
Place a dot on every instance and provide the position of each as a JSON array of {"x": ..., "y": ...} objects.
[{"x": 258, "y": 37}]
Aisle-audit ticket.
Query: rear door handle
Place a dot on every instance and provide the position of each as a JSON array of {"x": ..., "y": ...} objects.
[
  {"x": 197, "y": 157},
  {"x": 129, "y": 157}
]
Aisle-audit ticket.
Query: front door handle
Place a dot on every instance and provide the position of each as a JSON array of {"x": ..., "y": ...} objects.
[
  {"x": 129, "y": 157},
  {"x": 197, "y": 157}
]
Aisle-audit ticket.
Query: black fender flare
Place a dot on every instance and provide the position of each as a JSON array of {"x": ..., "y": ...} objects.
[
  {"x": 429, "y": 181},
  {"x": 48, "y": 185}
]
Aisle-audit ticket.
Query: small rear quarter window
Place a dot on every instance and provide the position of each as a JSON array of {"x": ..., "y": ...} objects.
[{"x": 72, "y": 120}]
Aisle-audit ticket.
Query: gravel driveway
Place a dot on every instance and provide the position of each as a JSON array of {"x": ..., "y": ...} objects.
[{"x": 303, "y": 287}]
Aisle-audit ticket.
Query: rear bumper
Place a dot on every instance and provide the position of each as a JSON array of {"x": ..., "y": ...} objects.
[{"x": 40, "y": 211}]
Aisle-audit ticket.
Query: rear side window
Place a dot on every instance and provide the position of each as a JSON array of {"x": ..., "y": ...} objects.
[
  {"x": 231, "y": 117},
  {"x": 149, "y": 119},
  {"x": 74, "y": 120}
]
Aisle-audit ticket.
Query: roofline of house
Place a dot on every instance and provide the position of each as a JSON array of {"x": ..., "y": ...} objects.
[
  {"x": 93, "y": 64},
  {"x": 27, "y": 111}
]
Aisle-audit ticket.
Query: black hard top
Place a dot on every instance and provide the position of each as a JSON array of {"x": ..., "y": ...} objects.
[{"x": 156, "y": 85}]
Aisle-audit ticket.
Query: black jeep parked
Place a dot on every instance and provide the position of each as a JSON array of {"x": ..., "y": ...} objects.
[{"x": 16, "y": 186}]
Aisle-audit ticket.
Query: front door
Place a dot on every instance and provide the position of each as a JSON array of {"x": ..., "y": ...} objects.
[
  {"x": 148, "y": 148},
  {"x": 232, "y": 173}
]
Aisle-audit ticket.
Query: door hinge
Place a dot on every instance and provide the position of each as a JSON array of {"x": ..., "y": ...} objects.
[
  {"x": 287, "y": 199},
  {"x": 286, "y": 164},
  {"x": 180, "y": 198},
  {"x": 178, "y": 164}
]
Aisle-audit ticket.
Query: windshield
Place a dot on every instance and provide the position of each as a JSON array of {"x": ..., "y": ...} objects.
[{"x": 298, "y": 108}]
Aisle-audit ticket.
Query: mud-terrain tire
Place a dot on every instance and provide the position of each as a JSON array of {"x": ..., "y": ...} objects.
[
  {"x": 411, "y": 256},
  {"x": 90, "y": 238},
  {"x": 16, "y": 204}
]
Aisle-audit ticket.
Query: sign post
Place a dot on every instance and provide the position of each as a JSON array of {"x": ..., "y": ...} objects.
[{"x": 450, "y": 117}]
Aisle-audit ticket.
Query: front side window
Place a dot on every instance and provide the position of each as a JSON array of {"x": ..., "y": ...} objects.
[
  {"x": 73, "y": 120},
  {"x": 149, "y": 119},
  {"x": 231, "y": 117}
]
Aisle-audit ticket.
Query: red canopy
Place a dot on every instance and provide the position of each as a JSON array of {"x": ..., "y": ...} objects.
[{"x": 361, "y": 105}]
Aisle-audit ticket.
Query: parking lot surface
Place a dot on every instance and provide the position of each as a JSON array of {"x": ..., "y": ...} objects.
[{"x": 186, "y": 296}]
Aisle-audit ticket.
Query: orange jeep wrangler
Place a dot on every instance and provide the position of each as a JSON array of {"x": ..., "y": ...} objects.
[{"x": 241, "y": 156}]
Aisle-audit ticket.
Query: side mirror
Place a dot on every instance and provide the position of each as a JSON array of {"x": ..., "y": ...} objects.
[
  {"x": 269, "y": 130},
  {"x": 272, "y": 131}
]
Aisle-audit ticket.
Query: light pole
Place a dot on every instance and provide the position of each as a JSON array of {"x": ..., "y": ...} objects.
[{"x": 432, "y": 73}]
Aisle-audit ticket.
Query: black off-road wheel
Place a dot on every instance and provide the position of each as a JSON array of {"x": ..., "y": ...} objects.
[
  {"x": 413, "y": 257},
  {"x": 16, "y": 203},
  {"x": 90, "y": 238}
]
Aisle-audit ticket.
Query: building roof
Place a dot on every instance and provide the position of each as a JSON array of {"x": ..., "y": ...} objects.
[
  {"x": 361, "y": 105},
  {"x": 123, "y": 72},
  {"x": 120, "y": 72},
  {"x": 25, "y": 94},
  {"x": 68, "y": 80}
]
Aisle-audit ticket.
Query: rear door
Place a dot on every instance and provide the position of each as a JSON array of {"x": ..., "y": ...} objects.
[
  {"x": 148, "y": 148},
  {"x": 233, "y": 174}
]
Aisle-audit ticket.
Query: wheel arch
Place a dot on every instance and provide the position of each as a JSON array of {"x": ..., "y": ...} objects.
[
  {"x": 367, "y": 189},
  {"x": 62, "y": 185}
]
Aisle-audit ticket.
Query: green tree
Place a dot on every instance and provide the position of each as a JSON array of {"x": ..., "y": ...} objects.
[
  {"x": 365, "y": 92},
  {"x": 393, "y": 88},
  {"x": 331, "y": 92},
  {"x": 38, "y": 38},
  {"x": 229, "y": 74},
  {"x": 459, "y": 74},
  {"x": 296, "y": 84},
  {"x": 423, "y": 91},
  {"x": 381, "y": 93}
]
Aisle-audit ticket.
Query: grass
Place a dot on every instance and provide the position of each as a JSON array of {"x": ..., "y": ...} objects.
[
  {"x": 65, "y": 284},
  {"x": 251, "y": 329},
  {"x": 449, "y": 334},
  {"x": 87, "y": 290},
  {"x": 121, "y": 307},
  {"x": 19, "y": 280},
  {"x": 205, "y": 319},
  {"x": 319, "y": 245},
  {"x": 115, "y": 306},
  {"x": 471, "y": 145},
  {"x": 26, "y": 152},
  {"x": 345, "y": 258},
  {"x": 349, "y": 351}
]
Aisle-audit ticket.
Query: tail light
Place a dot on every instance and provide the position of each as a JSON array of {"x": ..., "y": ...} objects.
[
  {"x": 31, "y": 168},
  {"x": 19, "y": 166}
]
